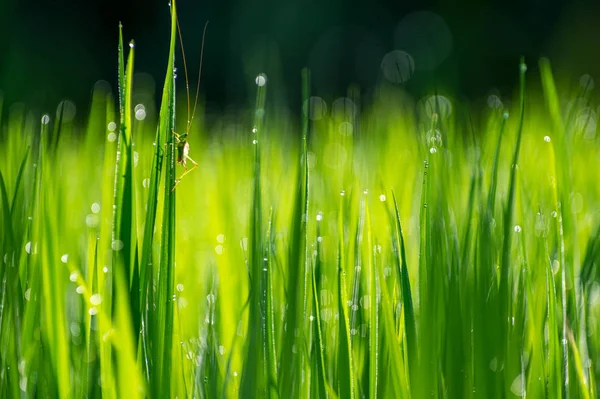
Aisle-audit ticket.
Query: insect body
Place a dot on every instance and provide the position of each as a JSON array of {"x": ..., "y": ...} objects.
[
  {"x": 183, "y": 146},
  {"x": 183, "y": 151}
]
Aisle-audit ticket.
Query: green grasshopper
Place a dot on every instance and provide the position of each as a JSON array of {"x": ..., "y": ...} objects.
[{"x": 183, "y": 146}]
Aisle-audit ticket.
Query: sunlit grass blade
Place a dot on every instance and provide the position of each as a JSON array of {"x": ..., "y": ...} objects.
[
  {"x": 410, "y": 329},
  {"x": 254, "y": 380},
  {"x": 161, "y": 339},
  {"x": 293, "y": 346}
]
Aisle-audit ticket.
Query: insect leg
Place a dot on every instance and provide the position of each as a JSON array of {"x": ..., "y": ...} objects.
[{"x": 195, "y": 165}]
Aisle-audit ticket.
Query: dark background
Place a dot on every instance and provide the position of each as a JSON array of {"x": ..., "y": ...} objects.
[{"x": 56, "y": 49}]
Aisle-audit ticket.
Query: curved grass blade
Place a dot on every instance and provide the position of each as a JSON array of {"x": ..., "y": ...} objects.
[{"x": 410, "y": 327}]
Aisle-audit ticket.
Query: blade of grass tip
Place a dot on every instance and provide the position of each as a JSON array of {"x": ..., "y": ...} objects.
[
  {"x": 508, "y": 216},
  {"x": 116, "y": 259},
  {"x": 254, "y": 379},
  {"x": 162, "y": 328},
  {"x": 346, "y": 383},
  {"x": 410, "y": 326},
  {"x": 124, "y": 242},
  {"x": 291, "y": 363},
  {"x": 31, "y": 269}
]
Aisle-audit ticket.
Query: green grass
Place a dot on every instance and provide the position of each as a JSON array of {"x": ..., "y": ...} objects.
[{"x": 439, "y": 250}]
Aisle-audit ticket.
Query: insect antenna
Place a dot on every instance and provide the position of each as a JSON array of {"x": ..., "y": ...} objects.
[
  {"x": 199, "y": 76},
  {"x": 187, "y": 81}
]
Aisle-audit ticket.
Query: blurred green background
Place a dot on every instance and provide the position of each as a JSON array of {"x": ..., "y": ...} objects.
[{"x": 56, "y": 49}]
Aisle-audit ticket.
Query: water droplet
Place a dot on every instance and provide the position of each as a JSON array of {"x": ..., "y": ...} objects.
[
  {"x": 221, "y": 349},
  {"x": 95, "y": 207},
  {"x": 355, "y": 307},
  {"x": 365, "y": 302},
  {"x": 93, "y": 311},
  {"x": 353, "y": 331},
  {"x": 517, "y": 386},
  {"x": 554, "y": 214},
  {"x": 517, "y": 228},
  {"x": 547, "y": 139},
  {"x": 28, "y": 293},
  {"x": 112, "y": 137},
  {"x": 96, "y": 299},
  {"x": 435, "y": 107},
  {"x": 64, "y": 258},
  {"x": 505, "y": 115},
  {"x": 555, "y": 266},
  {"x": 65, "y": 112},
  {"x": 80, "y": 289},
  {"x": 221, "y": 238},
  {"x": 326, "y": 314},
  {"x": 494, "y": 102},
  {"x": 433, "y": 150},
  {"x": 254, "y": 141},
  {"x": 146, "y": 183},
  {"x": 91, "y": 220},
  {"x": 210, "y": 298},
  {"x": 117, "y": 245},
  {"x": 131, "y": 44},
  {"x": 28, "y": 247},
  {"x": 523, "y": 68},
  {"x": 315, "y": 108},
  {"x": 319, "y": 216},
  {"x": 342, "y": 193},
  {"x": 73, "y": 276},
  {"x": 398, "y": 66},
  {"x": 244, "y": 243},
  {"x": 586, "y": 82},
  {"x": 382, "y": 197},
  {"x": 45, "y": 119},
  {"x": 494, "y": 364},
  {"x": 261, "y": 80},
  {"x": 105, "y": 269},
  {"x": 219, "y": 249},
  {"x": 346, "y": 129},
  {"x": 180, "y": 287},
  {"x": 140, "y": 114},
  {"x": 23, "y": 383}
]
